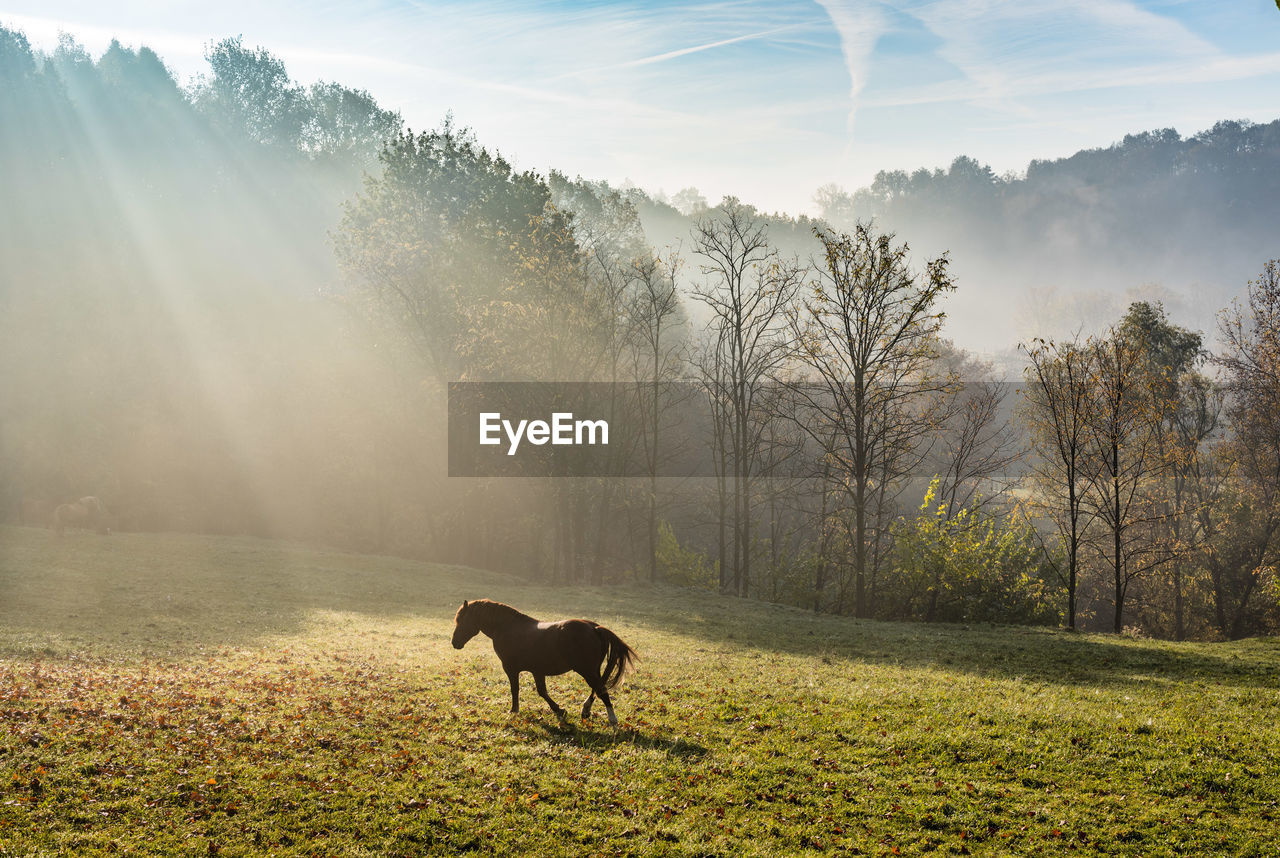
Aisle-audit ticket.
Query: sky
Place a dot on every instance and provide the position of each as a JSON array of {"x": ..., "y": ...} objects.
[{"x": 766, "y": 101}]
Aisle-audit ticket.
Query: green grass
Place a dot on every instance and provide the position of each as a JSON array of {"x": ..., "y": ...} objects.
[{"x": 165, "y": 694}]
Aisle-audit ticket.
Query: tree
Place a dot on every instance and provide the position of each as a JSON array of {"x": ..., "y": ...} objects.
[
  {"x": 974, "y": 445},
  {"x": 347, "y": 126},
  {"x": 250, "y": 94},
  {"x": 1122, "y": 459},
  {"x": 656, "y": 316},
  {"x": 869, "y": 333},
  {"x": 636, "y": 304},
  {"x": 710, "y": 369},
  {"x": 1237, "y": 550},
  {"x": 1251, "y": 363},
  {"x": 1186, "y": 422},
  {"x": 468, "y": 262},
  {"x": 749, "y": 291},
  {"x": 690, "y": 202},
  {"x": 1242, "y": 555},
  {"x": 438, "y": 238}
]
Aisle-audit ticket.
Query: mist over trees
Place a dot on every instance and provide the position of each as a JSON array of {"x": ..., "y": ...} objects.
[
  {"x": 235, "y": 307},
  {"x": 1068, "y": 244},
  {"x": 163, "y": 252}
]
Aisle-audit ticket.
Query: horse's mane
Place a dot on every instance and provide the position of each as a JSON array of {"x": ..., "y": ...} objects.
[{"x": 488, "y": 609}]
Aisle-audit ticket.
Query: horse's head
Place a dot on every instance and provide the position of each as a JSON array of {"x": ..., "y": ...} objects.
[{"x": 465, "y": 626}]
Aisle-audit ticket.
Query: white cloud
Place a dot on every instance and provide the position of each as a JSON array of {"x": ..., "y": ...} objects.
[
  {"x": 860, "y": 26},
  {"x": 1009, "y": 51}
]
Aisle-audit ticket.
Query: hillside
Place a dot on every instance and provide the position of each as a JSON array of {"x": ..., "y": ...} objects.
[{"x": 166, "y": 693}]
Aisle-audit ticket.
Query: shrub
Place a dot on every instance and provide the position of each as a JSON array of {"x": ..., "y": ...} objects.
[
  {"x": 969, "y": 565},
  {"x": 685, "y": 567}
]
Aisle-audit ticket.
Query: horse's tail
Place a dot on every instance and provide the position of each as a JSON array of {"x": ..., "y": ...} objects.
[{"x": 619, "y": 658}]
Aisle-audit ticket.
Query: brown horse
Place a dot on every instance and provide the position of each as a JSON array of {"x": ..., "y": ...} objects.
[{"x": 547, "y": 649}]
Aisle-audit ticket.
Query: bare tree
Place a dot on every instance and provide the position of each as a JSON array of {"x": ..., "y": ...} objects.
[
  {"x": 709, "y": 367},
  {"x": 782, "y": 486},
  {"x": 869, "y": 334},
  {"x": 748, "y": 290},
  {"x": 1123, "y": 458},
  {"x": 1194, "y": 421},
  {"x": 656, "y": 316},
  {"x": 976, "y": 446},
  {"x": 1057, "y": 412}
]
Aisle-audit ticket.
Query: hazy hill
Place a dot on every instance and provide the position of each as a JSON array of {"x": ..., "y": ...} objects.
[
  {"x": 1068, "y": 243},
  {"x": 1187, "y": 220}
]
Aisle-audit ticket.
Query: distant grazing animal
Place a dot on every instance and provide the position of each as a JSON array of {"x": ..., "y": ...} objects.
[
  {"x": 547, "y": 649},
  {"x": 87, "y": 512}
]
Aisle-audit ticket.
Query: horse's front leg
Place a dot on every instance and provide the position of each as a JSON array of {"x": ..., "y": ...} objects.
[
  {"x": 514, "y": 676},
  {"x": 540, "y": 682}
]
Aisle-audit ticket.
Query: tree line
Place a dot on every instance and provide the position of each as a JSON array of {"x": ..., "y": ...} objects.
[
  {"x": 236, "y": 307},
  {"x": 1156, "y": 215}
]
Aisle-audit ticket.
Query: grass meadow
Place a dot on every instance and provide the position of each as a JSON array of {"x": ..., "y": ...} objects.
[{"x": 176, "y": 694}]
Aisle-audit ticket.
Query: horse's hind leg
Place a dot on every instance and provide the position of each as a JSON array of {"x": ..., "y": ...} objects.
[
  {"x": 540, "y": 682},
  {"x": 603, "y": 694},
  {"x": 598, "y": 689}
]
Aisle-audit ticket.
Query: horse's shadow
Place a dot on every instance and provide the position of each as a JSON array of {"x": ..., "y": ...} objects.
[{"x": 586, "y": 736}]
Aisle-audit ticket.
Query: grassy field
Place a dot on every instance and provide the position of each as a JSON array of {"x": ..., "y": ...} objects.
[{"x": 167, "y": 694}]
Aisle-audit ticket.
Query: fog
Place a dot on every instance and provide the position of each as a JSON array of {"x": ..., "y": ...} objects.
[
  {"x": 1067, "y": 245},
  {"x": 1070, "y": 243},
  {"x": 229, "y": 309}
]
